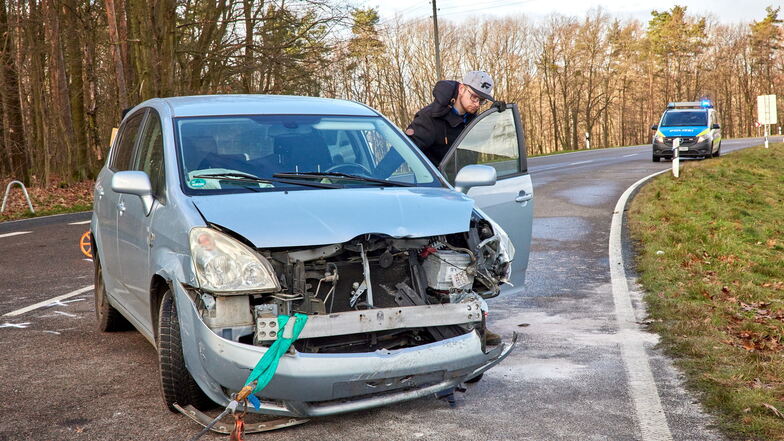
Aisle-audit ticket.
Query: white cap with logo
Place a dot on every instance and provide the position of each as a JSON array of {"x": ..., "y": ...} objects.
[{"x": 480, "y": 82}]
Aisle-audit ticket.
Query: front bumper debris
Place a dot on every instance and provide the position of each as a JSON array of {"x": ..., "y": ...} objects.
[
  {"x": 309, "y": 385},
  {"x": 203, "y": 420}
]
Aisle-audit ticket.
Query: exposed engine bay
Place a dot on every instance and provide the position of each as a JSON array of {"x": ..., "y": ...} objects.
[{"x": 372, "y": 292}]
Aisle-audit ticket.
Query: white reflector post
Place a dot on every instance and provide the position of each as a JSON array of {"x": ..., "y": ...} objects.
[{"x": 676, "y": 157}]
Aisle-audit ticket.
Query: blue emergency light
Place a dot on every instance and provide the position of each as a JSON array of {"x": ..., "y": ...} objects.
[{"x": 705, "y": 104}]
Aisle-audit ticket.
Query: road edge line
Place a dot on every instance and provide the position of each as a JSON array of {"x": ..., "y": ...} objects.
[
  {"x": 641, "y": 384},
  {"x": 48, "y": 302}
]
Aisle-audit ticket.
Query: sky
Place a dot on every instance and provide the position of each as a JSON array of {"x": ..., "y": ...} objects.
[{"x": 725, "y": 11}]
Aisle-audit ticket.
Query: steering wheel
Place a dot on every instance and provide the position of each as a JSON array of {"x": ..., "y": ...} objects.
[{"x": 338, "y": 168}]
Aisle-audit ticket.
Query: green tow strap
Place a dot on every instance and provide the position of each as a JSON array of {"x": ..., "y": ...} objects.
[{"x": 268, "y": 364}]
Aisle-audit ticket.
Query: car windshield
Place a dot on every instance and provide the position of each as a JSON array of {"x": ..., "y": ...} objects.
[
  {"x": 294, "y": 152},
  {"x": 684, "y": 119}
]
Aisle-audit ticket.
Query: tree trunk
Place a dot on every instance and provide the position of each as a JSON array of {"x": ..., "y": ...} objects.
[
  {"x": 119, "y": 65},
  {"x": 73, "y": 51},
  {"x": 59, "y": 89}
]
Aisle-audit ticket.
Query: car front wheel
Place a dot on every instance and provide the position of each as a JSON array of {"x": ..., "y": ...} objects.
[{"x": 177, "y": 384}]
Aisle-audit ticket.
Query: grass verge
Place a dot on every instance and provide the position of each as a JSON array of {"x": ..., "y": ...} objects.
[
  {"x": 710, "y": 254},
  {"x": 47, "y": 200}
]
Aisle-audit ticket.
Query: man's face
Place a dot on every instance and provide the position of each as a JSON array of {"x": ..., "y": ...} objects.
[{"x": 469, "y": 100}]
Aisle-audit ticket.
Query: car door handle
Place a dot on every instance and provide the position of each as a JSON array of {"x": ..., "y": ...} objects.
[
  {"x": 523, "y": 196},
  {"x": 121, "y": 207}
]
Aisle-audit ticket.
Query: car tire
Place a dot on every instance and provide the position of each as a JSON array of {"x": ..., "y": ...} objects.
[
  {"x": 656, "y": 158},
  {"x": 109, "y": 319},
  {"x": 718, "y": 151},
  {"x": 177, "y": 384}
]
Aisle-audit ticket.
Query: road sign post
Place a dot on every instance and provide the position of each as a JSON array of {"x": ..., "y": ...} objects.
[
  {"x": 766, "y": 113},
  {"x": 676, "y": 157}
]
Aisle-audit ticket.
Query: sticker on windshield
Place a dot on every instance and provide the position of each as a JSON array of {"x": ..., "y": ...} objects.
[{"x": 197, "y": 183}]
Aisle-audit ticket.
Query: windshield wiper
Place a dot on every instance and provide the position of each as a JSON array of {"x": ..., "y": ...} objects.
[
  {"x": 316, "y": 175},
  {"x": 244, "y": 177}
]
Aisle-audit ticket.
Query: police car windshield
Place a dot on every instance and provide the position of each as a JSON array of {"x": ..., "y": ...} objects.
[{"x": 680, "y": 118}]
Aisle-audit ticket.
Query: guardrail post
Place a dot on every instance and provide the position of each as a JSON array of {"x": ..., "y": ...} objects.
[
  {"x": 676, "y": 157},
  {"x": 24, "y": 190}
]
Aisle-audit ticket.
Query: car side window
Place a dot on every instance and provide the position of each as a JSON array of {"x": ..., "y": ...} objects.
[
  {"x": 493, "y": 140},
  {"x": 123, "y": 150},
  {"x": 150, "y": 156}
]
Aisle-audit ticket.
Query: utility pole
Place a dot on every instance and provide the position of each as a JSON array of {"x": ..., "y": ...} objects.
[{"x": 438, "y": 47}]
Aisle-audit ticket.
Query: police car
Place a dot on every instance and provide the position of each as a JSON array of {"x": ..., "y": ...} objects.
[{"x": 695, "y": 123}]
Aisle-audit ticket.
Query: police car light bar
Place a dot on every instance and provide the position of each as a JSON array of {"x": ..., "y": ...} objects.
[{"x": 703, "y": 104}]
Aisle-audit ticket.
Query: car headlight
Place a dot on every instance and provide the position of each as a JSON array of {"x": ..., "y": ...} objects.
[
  {"x": 226, "y": 265},
  {"x": 660, "y": 139},
  {"x": 702, "y": 138}
]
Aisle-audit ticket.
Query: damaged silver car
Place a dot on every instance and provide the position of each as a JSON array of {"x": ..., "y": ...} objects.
[{"x": 215, "y": 215}]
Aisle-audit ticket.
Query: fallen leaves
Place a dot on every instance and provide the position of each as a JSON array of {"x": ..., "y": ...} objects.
[{"x": 47, "y": 197}]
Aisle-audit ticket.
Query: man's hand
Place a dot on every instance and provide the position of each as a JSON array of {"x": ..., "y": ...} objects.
[{"x": 501, "y": 105}]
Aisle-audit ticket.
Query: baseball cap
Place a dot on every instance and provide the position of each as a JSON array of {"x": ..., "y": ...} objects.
[{"x": 480, "y": 82}]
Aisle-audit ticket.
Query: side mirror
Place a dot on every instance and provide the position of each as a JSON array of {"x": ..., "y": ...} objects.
[
  {"x": 134, "y": 182},
  {"x": 715, "y": 126},
  {"x": 474, "y": 176},
  {"x": 654, "y": 127}
]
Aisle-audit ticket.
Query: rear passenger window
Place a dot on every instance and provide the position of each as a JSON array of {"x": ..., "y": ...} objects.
[{"x": 123, "y": 150}]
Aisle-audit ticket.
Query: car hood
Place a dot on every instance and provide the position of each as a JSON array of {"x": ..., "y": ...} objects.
[
  {"x": 322, "y": 217},
  {"x": 683, "y": 131}
]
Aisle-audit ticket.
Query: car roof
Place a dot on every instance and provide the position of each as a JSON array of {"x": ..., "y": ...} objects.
[{"x": 213, "y": 105}]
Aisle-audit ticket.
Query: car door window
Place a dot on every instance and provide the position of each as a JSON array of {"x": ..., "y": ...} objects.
[
  {"x": 123, "y": 151},
  {"x": 493, "y": 139},
  {"x": 150, "y": 156}
]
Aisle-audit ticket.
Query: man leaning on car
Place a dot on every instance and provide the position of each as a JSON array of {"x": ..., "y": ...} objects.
[{"x": 436, "y": 126}]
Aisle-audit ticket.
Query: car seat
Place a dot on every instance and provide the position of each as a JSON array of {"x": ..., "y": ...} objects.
[{"x": 302, "y": 152}]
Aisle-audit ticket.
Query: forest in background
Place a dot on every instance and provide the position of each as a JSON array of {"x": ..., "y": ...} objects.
[{"x": 69, "y": 67}]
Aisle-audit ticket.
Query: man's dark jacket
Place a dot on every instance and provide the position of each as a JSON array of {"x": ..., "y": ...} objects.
[{"x": 435, "y": 127}]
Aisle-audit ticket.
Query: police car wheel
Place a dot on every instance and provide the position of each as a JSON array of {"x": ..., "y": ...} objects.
[{"x": 656, "y": 158}]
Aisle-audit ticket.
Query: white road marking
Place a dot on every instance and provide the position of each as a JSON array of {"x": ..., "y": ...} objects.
[
  {"x": 15, "y": 325},
  {"x": 63, "y": 302},
  {"x": 15, "y": 234},
  {"x": 580, "y": 162},
  {"x": 633, "y": 154},
  {"x": 52, "y": 332},
  {"x": 67, "y": 314},
  {"x": 641, "y": 384},
  {"x": 79, "y": 223},
  {"x": 51, "y": 301}
]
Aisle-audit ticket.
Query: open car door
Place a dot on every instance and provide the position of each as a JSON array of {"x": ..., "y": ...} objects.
[{"x": 495, "y": 138}]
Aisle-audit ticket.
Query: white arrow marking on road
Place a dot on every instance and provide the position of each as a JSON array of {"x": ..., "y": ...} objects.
[
  {"x": 15, "y": 325},
  {"x": 48, "y": 302},
  {"x": 641, "y": 384},
  {"x": 15, "y": 234},
  {"x": 79, "y": 223}
]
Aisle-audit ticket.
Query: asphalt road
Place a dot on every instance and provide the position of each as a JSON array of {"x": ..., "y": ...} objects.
[{"x": 568, "y": 380}]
